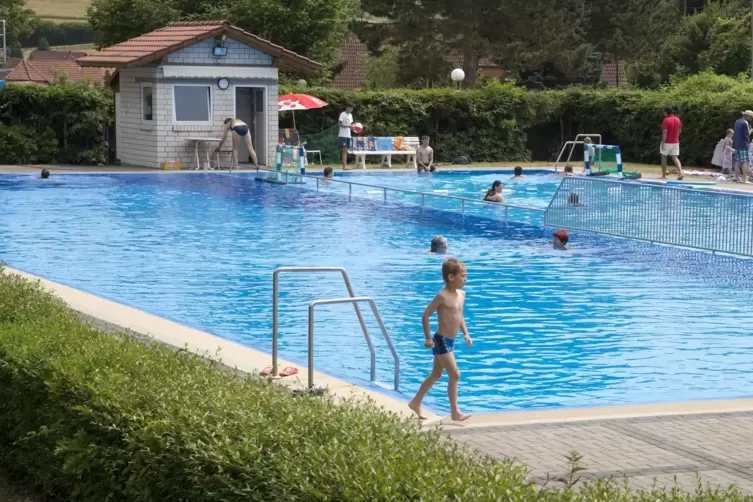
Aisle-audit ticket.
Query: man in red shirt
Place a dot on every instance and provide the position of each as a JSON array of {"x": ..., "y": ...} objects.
[{"x": 670, "y": 143}]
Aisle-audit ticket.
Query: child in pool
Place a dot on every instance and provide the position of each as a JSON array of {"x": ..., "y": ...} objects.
[
  {"x": 438, "y": 245},
  {"x": 448, "y": 304}
]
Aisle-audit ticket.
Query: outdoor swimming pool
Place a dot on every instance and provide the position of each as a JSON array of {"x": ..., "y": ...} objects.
[{"x": 609, "y": 322}]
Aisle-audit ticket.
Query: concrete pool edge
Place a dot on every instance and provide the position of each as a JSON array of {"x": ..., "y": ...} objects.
[
  {"x": 113, "y": 316},
  {"x": 108, "y": 314}
]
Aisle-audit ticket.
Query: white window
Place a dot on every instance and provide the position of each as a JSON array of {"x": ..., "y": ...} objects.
[
  {"x": 147, "y": 102},
  {"x": 192, "y": 104}
]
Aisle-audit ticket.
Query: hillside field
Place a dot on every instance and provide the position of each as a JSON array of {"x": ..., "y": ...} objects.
[{"x": 60, "y": 10}]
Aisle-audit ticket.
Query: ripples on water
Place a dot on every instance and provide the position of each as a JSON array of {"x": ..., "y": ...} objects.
[{"x": 608, "y": 322}]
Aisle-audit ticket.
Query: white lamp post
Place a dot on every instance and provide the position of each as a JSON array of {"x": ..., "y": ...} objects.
[{"x": 457, "y": 76}]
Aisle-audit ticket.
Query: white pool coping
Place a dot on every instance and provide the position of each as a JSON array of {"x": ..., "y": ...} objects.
[{"x": 250, "y": 361}]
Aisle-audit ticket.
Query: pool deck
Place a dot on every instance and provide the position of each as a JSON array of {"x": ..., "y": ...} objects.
[{"x": 644, "y": 443}]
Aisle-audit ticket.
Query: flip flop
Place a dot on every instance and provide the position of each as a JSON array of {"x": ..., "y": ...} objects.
[
  {"x": 289, "y": 371},
  {"x": 266, "y": 371}
]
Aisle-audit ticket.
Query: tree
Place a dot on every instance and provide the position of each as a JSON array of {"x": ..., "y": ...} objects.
[
  {"x": 43, "y": 44},
  {"x": 19, "y": 21},
  {"x": 119, "y": 20},
  {"x": 312, "y": 28},
  {"x": 523, "y": 35}
]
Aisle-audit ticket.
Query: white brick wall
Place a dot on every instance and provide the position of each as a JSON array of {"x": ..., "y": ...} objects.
[
  {"x": 237, "y": 54},
  {"x": 137, "y": 142}
]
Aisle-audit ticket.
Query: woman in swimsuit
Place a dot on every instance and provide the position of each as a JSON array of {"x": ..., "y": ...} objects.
[
  {"x": 494, "y": 194},
  {"x": 240, "y": 130}
]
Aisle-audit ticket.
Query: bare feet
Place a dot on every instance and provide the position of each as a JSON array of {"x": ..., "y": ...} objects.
[
  {"x": 417, "y": 410},
  {"x": 460, "y": 417}
]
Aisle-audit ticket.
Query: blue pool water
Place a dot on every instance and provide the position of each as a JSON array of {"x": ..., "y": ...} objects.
[{"x": 608, "y": 322}]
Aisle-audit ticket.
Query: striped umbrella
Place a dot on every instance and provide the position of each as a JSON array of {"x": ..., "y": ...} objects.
[{"x": 293, "y": 102}]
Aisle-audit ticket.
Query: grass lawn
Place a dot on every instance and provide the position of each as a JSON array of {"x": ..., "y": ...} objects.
[{"x": 62, "y": 11}]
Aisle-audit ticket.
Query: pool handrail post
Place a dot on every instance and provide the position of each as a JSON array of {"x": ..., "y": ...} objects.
[
  {"x": 349, "y": 287},
  {"x": 354, "y": 300}
]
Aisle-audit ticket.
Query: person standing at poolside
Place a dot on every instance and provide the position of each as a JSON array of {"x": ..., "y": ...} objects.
[
  {"x": 448, "y": 304},
  {"x": 425, "y": 156},
  {"x": 344, "y": 135},
  {"x": 670, "y": 142},
  {"x": 240, "y": 133},
  {"x": 741, "y": 144}
]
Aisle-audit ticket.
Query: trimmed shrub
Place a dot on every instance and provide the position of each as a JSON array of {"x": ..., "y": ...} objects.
[
  {"x": 61, "y": 34},
  {"x": 91, "y": 416},
  {"x": 73, "y": 118},
  {"x": 502, "y": 122},
  {"x": 21, "y": 145}
]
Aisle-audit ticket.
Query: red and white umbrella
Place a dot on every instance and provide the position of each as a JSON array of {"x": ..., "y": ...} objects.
[{"x": 293, "y": 102}]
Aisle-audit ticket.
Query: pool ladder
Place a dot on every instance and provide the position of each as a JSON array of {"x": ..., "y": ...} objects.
[{"x": 353, "y": 299}]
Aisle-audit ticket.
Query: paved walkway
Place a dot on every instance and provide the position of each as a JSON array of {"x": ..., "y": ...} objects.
[{"x": 651, "y": 451}]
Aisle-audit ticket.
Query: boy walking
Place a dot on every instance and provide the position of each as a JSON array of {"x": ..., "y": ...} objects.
[
  {"x": 670, "y": 143},
  {"x": 448, "y": 304}
]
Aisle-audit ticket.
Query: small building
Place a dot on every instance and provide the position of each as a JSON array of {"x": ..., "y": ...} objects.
[
  {"x": 179, "y": 83},
  {"x": 54, "y": 72}
]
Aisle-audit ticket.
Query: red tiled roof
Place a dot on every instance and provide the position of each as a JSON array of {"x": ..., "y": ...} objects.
[
  {"x": 613, "y": 74},
  {"x": 13, "y": 62},
  {"x": 48, "y": 72},
  {"x": 353, "y": 57},
  {"x": 157, "y": 44},
  {"x": 37, "y": 55}
]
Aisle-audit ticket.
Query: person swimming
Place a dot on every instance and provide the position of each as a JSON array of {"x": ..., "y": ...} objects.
[
  {"x": 44, "y": 174},
  {"x": 560, "y": 238},
  {"x": 328, "y": 172},
  {"x": 438, "y": 245},
  {"x": 494, "y": 194},
  {"x": 518, "y": 174}
]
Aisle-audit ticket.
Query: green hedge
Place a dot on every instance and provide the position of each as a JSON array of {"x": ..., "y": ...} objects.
[
  {"x": 505, "y": 123},
  {"x": 64, "y": 123},
  {"x": 61, "y": 34},
  {"x": 89, "y": 416}
]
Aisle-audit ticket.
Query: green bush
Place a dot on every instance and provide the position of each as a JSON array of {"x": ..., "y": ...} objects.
[
  {"x": 61, "y": 34},
  {"x": 502, "y": 122},
  {"x": 73, "y": 118},
  {"x": 89, "y": 416},
  {"x": 21, "y": 145}
]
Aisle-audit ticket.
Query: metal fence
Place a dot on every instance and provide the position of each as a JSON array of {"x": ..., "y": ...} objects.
[
  {"x": 431, "y": 200},
  {"x": 712, "y": 221}
]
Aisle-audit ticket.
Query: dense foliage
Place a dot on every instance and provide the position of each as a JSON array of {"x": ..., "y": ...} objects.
[
  {"x": 60, "y": 34},
  {"x": 92, "y": 416},
  {"x": 502, "y": 122},
  {"x": 313, "y": 28},
  {"x": 58, "y": 123}
]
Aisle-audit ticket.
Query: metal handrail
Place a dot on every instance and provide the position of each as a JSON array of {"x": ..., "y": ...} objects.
[
  {"x": 354, "y": 301},
  {"x": 349, "y": 286},
  {"x": 572, "y": 144},
  {"x": 412, "y": 192}
]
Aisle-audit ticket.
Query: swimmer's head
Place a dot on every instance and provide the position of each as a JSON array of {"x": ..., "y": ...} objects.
[
  {"x": 518, "y": 171},
  {"x": 568, "y": 169},
  {"x": 453, "y": 272},
  {"x": 328, "y": 171},
  {"x": 439, "y": 245},
  {"x": 45, "y": 174},
  {"x": 560, "y": 239}
]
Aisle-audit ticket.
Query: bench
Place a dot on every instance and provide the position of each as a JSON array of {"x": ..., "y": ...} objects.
[{"x": 410, "y": 142}]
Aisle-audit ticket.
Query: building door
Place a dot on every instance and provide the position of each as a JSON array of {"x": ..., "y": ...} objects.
[{"x": 248, "y": 102}]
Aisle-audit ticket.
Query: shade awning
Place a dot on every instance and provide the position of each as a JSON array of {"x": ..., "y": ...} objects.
[{"x": 219, "y": 71}]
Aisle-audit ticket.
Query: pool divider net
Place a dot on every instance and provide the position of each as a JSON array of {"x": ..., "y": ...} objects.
[{"x": 712, "y": 221}]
